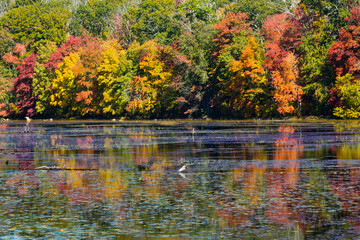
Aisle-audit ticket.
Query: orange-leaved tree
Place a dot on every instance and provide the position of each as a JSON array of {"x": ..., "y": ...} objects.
[
  {"x": 237, "y": 62},
  {"x": 287, "y": 91},
  {"x": 89, "y": 91},
  {"x": 245, "y": 91},
  {"x": 232, "y": 26},
  {"x": 76, "y": 89},
  {"x": 280, "y": 32}
]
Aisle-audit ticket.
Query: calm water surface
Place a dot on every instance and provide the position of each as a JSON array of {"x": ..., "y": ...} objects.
[{"x": 119, "y": 180}]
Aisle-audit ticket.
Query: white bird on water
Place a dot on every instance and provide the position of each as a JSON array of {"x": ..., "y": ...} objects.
[
  {"x": 183, "y": 168},
  {"x": 27, "y": 127}
]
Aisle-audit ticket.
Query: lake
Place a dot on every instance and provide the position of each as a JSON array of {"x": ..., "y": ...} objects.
[{"x": 120, "y": 180}]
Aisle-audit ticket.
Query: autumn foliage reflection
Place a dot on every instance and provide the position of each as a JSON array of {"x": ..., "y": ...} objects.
[
  {"x": 345, "y": 182},
  {"x": 266, "y": 182},
  {"x": 25, "y": 180},
  {"x": 283, "y": 177}
]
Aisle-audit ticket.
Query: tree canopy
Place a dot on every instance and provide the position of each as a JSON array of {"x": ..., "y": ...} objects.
[{"x": 177, "y": 59}]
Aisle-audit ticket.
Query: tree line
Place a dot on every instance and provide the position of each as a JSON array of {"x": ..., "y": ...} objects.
[{"x": 179, "y": 59}]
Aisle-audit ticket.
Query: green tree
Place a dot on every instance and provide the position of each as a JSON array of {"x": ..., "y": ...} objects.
[
  {"x": 154, "y": 20},
  {"x": 321, "y": 21},
  {"x": 22, "y": 3},
  {"x": 42, "y": 79},
  {"x": 317, "y": 75},
  {"x": 7, "y": 97},
  {"x": 259, "y": 10},
  {"x": 196, "y": 45},
  {"x": 348, "y": 90},
  {"x": 37, "y": 23},
  {"x": 92, "y": 19},
  {"x": 6, "y": 42}
]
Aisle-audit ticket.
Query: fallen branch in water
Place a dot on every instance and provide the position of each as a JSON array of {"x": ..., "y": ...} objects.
[{"x": 62, "y": 168}]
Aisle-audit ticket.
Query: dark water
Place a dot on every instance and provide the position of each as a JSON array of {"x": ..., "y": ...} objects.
[{"x": 119, "y": 180}]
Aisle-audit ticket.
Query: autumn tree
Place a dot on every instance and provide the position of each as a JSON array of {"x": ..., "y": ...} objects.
[
  {"x": 321, "y": 21},
  {"x": 8, "y": 73},
  {"x": 344, "y": 53},
  {"x": 89, "y": 90},
  {"x": 246, "y": 90},
  {"x": 25, "y": 101},
  {"x": 64, "y": 85},
  {"x": 114, "y": 75},
  {"x": 76, "y": 89},
  {"x": 233, "y": 34},
  {"x": 287, "y": 91},
  {"x": 151, "y": 90},
  {"x": 348, "y": 94},
  {"x": 281, "y": 35},
  {"x": 12, "y": 58},
  {"x": 259, "y": 10},
  {"x": 73, "y": 44},
  {"x": 344, "y": 57}
]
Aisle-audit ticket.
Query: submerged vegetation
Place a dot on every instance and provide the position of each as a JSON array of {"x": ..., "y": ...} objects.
[{"x": 177, "y": 58}]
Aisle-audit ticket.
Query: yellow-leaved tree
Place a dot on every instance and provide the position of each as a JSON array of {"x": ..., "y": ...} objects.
[
  {"x": 114, "y": 75},
  {"x": 149, "y": 86},
  {"x": 64, "y": 86},
  {"x": 76, "y": 89},
  {"x": 245, "y": 91}
]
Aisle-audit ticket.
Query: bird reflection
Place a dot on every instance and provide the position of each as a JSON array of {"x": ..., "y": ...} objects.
[{"x": 183, "y": 175}]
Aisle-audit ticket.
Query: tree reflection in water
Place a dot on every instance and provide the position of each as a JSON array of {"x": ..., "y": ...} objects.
[{"x": 246, "y": 180}]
